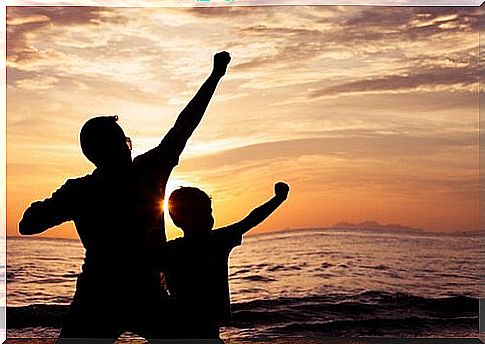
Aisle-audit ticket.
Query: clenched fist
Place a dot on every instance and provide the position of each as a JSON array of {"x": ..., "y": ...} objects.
[
  {"x": 281, "y": 190},
  {"x": 221, "y": 60}
]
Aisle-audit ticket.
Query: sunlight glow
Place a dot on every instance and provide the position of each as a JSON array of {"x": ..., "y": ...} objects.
[{"x": 172, "y": 185}]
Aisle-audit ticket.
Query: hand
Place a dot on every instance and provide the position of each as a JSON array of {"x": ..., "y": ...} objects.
[
  {"x": 221, "y": 60},
  {"x": 281, "y": 190}
]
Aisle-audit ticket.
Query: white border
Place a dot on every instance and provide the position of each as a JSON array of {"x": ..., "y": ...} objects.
[
  {"x": 3, "y": 178},
  {"x": 222, "y": 3},
  {"x": 148, "y": 3}
]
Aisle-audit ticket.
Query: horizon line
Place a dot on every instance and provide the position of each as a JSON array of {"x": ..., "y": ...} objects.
[{"x": 403, "y": 230}]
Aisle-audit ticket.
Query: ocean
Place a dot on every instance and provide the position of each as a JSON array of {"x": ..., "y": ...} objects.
[{"x": 306, "y": 283}]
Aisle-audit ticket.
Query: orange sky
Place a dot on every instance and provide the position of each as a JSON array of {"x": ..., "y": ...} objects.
[{"x": 368, "y": 113}]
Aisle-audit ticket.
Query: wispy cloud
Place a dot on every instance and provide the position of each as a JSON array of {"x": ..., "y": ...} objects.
[
  {"x": 463, "y": 78},
  {"x": 26, "y": 23},
  {"x": 342, "y": 101}
]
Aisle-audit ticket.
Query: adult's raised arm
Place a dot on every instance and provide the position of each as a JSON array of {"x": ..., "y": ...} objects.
[{"x": 190, "y": 117}]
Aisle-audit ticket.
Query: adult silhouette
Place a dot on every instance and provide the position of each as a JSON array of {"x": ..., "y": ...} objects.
[{"x": 119, "y": 219}]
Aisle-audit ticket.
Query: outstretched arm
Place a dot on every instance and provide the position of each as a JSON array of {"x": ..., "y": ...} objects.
[
  {"x": 36, "y": 219},
  {"x": 262, "y": 212},
  {"x": 191, "y": 115},
  {"x": 42, "y": 215}
]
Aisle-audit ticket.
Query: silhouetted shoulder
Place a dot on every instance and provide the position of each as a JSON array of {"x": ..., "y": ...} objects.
[
  {"x": 71, "y": 186},
  {"x": 226, "y": 237},
  {"x": 72, "y": 191},
  {"x": 162, "y": 158},
  {"x": 79, "y": 181},
  {"x": 77, "y": 185}
]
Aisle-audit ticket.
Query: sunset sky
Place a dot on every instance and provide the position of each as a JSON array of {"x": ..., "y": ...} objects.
[{"x": 368, "y": 113}]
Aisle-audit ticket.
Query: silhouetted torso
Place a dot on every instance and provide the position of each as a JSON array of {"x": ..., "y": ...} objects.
[
  {"x": 197, "y": 276},
  {"x": 119, "y": 219}
]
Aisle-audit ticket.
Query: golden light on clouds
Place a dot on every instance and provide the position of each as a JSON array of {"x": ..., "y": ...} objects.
[{"x": 368, "y": 113}]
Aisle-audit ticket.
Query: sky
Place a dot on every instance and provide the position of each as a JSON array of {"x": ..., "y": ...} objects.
[{"x": 369, "y": 113}]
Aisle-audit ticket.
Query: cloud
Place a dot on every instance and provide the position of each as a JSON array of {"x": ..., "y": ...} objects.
[
  {"x": 243, "y": 3},
  {"x": 367, "y": 145},
  {"x": 463, "y": 76},
  {"x": 411, "y": 177},
  {"x": 356, "y": 28},
  {"x": 393, "y": 47},
  {"x": 230, "y": 12},
  {"x": 408, "y": 131},
  {"x": 413, "y": 19},
  {"x": 24, "y": 23},
  {"x": 37, "y": 83}
]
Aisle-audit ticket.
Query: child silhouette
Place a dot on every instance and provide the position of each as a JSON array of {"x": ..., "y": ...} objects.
[{"x": 196, "y": 266}]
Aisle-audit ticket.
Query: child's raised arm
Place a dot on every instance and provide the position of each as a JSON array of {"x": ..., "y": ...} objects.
[{"x": 260, "y": 214}]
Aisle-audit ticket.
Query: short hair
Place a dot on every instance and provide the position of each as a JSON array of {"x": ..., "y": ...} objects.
[
  {"x": 182, "y": 200},
  {"x": 97, "y": 134}
]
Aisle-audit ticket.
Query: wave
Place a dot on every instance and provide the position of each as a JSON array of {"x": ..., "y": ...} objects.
[
  {"x": 36, "y": 315},
  {"x": 369, "y": 313},
  {"x": 379, "y": 327},
  {"x": 257, "y": 278}
]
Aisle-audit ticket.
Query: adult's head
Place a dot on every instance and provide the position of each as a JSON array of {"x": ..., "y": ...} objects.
[
  {"x": 104, "y": 143},
  {"x": 191, "y": 209}
]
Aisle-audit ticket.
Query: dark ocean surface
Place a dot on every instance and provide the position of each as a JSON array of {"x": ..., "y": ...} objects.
[{"x": 312, "y": 283}]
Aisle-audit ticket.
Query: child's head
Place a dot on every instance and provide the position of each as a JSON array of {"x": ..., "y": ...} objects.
[{"x": 191, "y": 210}]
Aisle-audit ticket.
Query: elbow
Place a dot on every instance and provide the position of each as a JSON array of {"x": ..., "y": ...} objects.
[
  {"x": 34, "y": 220},
  {"x": 27, "y": 227},
  {"x": 24, "y": 228}
]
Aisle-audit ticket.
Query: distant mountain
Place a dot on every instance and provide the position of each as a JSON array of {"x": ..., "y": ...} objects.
[
  {"x": 468, "y": 233},
  {"x": 373, "y": 225}
]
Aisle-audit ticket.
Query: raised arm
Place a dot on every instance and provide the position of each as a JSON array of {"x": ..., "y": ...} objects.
[
  {"x": 262, "y": 212},
  {"x": 192, "y": 114}
]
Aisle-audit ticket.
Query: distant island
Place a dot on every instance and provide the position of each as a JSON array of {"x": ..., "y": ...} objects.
[{"x": 373, "y": 225}]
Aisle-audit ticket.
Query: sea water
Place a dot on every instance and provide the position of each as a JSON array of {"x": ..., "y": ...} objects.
[{"x": 306, "y": 283}]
